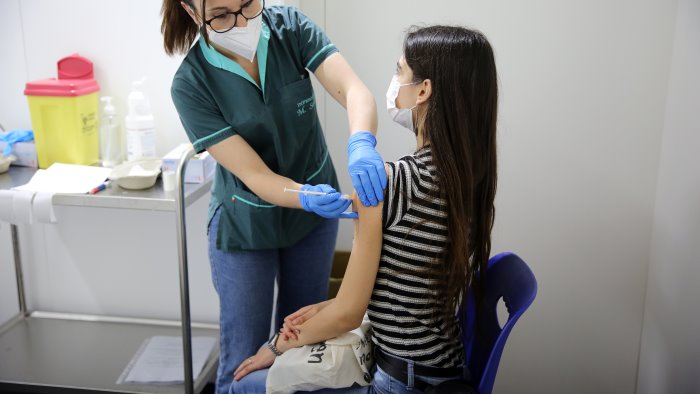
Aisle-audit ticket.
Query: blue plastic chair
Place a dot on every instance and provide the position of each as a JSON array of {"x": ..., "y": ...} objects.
[{"x": 509, "y": 277}]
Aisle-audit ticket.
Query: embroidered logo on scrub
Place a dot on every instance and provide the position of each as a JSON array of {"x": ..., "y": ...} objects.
[{"x": 305, "y": 106}]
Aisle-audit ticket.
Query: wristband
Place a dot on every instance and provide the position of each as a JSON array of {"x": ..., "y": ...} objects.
[{"x": 272, "y": 347}]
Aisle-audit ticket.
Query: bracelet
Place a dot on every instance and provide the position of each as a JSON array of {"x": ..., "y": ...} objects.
[{"x": 272, "y": 347}]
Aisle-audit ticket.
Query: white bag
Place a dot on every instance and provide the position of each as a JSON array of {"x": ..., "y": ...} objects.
[{"x": 335, "y": 363}]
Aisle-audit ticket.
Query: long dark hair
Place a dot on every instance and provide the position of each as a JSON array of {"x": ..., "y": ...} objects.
[{"x": 459, "y": 123}]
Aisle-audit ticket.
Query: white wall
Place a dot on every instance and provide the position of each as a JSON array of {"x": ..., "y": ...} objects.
[
  {"x": 583, "y": 89},
  {"x": 14, "y": 112},
  {"x": 670, "y": 351}
]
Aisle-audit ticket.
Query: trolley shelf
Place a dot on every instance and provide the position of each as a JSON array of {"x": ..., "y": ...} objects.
[{"x": 64, "y": 353}]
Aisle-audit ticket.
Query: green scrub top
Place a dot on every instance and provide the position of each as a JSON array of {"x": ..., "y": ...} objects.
[{"x": 217, "y": 99}]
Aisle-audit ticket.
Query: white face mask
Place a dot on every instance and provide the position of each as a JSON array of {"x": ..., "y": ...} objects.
[
  {"x": 402, "y": 116},
  {"x": 242, "y": 41}
]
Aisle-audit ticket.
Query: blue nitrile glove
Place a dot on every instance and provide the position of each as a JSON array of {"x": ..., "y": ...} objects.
[
  {"x": 14, "y": 137},
  {"x": 329, "y": 206},
  {"x": 366, "y": 168}
]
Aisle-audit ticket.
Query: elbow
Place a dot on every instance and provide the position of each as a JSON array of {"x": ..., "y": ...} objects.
[{"x": 350, "y": 319}]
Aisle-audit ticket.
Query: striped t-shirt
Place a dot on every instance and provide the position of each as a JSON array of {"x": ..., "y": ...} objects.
[{"x": 414, "y": 234}]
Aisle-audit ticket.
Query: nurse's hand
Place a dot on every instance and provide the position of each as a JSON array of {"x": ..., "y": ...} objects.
[
  {"x": 263, "y": 359},
  {"x": 366, "y": 168},
  {"x": 330, "y": 205}
]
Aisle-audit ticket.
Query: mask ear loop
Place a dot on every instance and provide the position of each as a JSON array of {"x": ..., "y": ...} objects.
[
  {"x": 415, "y": 83},
  {"x": 420, "y": 120},
  {"x": 415, "y": 129},
  {"x": 399, "y": 90}
]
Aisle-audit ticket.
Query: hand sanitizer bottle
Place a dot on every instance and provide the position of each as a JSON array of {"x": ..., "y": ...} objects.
[
  {"x": 111, "y": 145},
  {"x": 140, "y": 128}
]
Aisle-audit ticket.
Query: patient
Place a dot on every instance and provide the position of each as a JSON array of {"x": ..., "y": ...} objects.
[{"x": 414, "y": 256}]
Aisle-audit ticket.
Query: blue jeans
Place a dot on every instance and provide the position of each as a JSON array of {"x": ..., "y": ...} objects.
[
  {"x": 245, "y": 281},
  {"x": 382, "y": 383},
  {"x": 254, "y": 383}
]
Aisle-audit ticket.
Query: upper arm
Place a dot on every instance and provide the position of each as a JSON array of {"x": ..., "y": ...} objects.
[
  {"x": 313, "y": 44},
  {"x": 356, "y": 289},
  {"x": 337, "y": 77},
  {"x": 320, "y": 56}
]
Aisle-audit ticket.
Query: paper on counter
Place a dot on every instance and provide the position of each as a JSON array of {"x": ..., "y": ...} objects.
[
  {"x": 58, "y": 178},
  {"x": 66, "y": 178},
  {"x": 160, "y": 360}
]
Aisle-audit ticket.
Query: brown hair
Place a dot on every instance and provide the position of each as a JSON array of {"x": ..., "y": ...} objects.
[
  {"x": 178, "y": 29},
  {"x": 459, "y": 123}
]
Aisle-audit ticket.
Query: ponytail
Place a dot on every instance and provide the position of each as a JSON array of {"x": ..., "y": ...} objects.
[{"x": 179, "y": 32}]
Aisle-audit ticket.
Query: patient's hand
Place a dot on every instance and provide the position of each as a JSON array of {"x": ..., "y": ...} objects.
[
  {"x": 263, "y": 359},
  {"x": 290, "y": 328}
]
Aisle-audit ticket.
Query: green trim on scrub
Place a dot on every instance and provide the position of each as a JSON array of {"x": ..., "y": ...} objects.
[
  {"x": 319, "y": 168},
  {"x": 211, "y": 136},
  {"x": 262, "y": 53},
  {"x": 318, "y": 54},
  {"x": 237, "y": 197}
]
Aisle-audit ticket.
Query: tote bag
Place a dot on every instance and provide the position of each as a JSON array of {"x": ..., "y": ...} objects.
[{"x": 335, "y": 363}]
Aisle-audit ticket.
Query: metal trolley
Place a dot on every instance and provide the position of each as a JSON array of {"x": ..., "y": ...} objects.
[{"x": 66, "y": 353}]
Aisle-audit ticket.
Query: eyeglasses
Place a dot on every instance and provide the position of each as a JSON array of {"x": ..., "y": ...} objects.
[{"x": 228, "y": 20}]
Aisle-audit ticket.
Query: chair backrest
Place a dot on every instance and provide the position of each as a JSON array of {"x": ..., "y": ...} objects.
[{"x": 509, "y": 277}]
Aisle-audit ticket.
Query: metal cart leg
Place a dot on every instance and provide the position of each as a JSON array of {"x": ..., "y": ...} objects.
[
  {"x": 18, "y": 271},
  {"x": 184, "y": 276},
  {"x": 19, "y": 278}
]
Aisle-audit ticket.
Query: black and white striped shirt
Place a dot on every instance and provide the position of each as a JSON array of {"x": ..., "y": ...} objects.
[{"x": 415, "y": 232}]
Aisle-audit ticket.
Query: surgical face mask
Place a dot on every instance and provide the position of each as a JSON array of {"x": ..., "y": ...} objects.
[
  {"x": 402, "y": 116},
  {"x": 242, "y": 41}
]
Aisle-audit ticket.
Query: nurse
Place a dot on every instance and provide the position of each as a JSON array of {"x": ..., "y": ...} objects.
[{"x": 243, "y": 93}]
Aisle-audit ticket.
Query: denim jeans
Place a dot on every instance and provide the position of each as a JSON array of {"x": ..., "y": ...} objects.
[
  {"x": 244, "y": 281},
  {"x": 382, "y": 383}
]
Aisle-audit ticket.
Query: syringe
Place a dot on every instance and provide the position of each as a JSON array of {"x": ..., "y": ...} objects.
[{"x": 345, "y": 196}]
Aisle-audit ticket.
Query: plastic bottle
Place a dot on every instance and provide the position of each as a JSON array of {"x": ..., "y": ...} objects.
[
  {"x": 140, "y": 128},
  {"x": 111, "y": 145}
]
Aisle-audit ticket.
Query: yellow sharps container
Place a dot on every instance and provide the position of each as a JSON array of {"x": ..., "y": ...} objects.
[{"x": 64, "y": 114}]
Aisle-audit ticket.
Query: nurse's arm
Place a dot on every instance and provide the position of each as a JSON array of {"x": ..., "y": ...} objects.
[
  {"x": 341, "y": 82},
  {"x": 239, "y": 158},
  {"x": 346, "y": 311}
]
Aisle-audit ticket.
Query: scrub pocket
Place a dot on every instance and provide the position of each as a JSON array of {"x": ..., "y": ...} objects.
[
  {"x": 300, "y": 131},
  {"x": 320, "y": 169},
  {"x": 247, "y": 222},
  {"x": 299, "y": 99}
]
